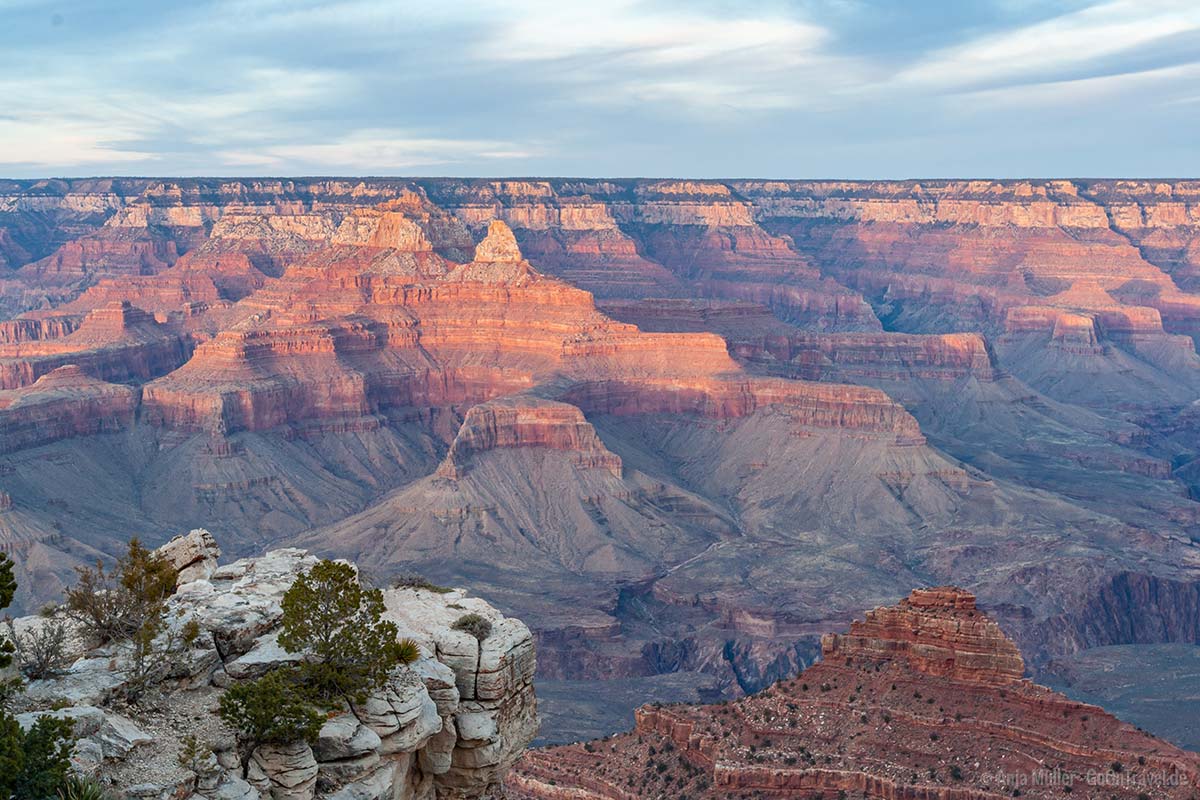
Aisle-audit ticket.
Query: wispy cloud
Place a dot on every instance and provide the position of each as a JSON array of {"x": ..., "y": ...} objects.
[
  {"x": 34, "y": 143},
  {"x": 378, "y": 150},
  {"x": 700, "y": 87},
  {"x": 636, "y": 51},
  {"x": 1057, "y": 49}
]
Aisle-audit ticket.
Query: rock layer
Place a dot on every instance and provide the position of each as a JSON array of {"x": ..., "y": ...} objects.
[{"x": 793, "y": 399}]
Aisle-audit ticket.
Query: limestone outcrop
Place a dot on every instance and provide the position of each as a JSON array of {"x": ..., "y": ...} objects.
[{"x": 447, "y": 726}]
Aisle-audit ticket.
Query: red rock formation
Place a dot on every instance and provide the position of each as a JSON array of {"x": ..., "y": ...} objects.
[
  {"x": 938, "y": 632},
  {"x": 18, "y": 331},
  {"x": 527, "y": 422},
  {"x": 920, "y": 701},
  {"x": 115, "y": 342},
  {"x": 830, "y": 406},
  {"x": 121, "y": 253},
  {"x": 667, "y": 238},
  {"x": 338, "y": 335},
  {"x": 1005, "y": 244},
  {"x": 62, "y": 404}
]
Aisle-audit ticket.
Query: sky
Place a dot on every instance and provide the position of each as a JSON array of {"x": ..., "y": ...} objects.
[{"x": 622, "y": 88}]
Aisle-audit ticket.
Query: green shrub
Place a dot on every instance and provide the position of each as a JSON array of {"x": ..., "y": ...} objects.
[
  {"x": 80, "y": 788},
  {"x": 474, "y": 624},
  {"x": 118, "y": 605},
  {"x": 34, "y": 764},
  {"x": 270, "y": 710},
  {"x": 8, "y": 590},
  {"x": 329, "y": 616},
  {"x": 414, "y": 581},
  {"x": 407, "y": 651}
]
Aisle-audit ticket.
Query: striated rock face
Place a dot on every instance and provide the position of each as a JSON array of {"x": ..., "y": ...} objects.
[
  {"x": 527, "y": 422},
  {"x": 924, "y": 699},
  {"x": 677, "y": 426},
  {"x": 936, "y": 631},
  {"x": 63, "y": 404},
  {"x": 115, "y": 342},
  {"x": 447, "y": 726}
]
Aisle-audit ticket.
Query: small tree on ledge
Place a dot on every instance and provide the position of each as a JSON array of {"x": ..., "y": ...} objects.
[
  {"x": 8, "y": 590},
  {"x": 339, "y": 625},
  {"x": 270, "y": 710}
]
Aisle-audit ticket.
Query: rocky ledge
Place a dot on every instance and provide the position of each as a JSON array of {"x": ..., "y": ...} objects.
[
  {"x": 925, "y": 700},
  {"x": 448, "y": 725}
]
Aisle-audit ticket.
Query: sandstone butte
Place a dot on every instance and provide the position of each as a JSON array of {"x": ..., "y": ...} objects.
[
  {"x": 676, "y": 426},
  {"x": 924, "y": 700}
]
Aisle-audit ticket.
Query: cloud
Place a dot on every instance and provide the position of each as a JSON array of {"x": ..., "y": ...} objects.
[
  {"x": 634, "y": 51},
  {"x": 652, "y": 87},
  {"x": 634, "y": 30},
  {"x": 34, "y": 143},
  {"x": 1111, "y": 90},
  {"x": 1067, "y": 46},
  {"x": 378, "y": 151}
]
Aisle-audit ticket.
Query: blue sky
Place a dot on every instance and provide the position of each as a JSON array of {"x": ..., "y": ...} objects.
[{"x": 777, "y": 88}]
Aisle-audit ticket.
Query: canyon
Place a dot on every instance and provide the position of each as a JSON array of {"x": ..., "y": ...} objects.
[{"x": 680, "y": 428}]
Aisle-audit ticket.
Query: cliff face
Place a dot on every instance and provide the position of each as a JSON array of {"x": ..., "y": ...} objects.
[
  {"x": 676, "y": 425},
  {"x": 63, "y": 404},
  {"x": 924, "y": 699},
  {"x": 517, "y": 422},
  {"x": 115, "y": 342}
]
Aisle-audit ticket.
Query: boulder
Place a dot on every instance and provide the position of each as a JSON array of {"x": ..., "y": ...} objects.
[
  {"x": 116, "y": 735},
  {"x": 193, "y": 555},
  {"x": 89, "y": 681},
  {"x": 266, "y": 654},
  {"x": 232, "y": 787},
  {"x": 85, "y": 720},
  {"x": 241, "y": 601},
  {"x": 382, "y": 784},
  {"x": 344, "y": 737}
]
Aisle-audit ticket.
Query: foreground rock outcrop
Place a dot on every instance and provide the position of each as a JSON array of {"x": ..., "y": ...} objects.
[
  {"x": 447, "y": 726},
  {"x": 925, "y": 699}
]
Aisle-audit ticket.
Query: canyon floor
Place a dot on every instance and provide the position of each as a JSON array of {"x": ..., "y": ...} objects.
[{"x": 681, "y": 428}]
